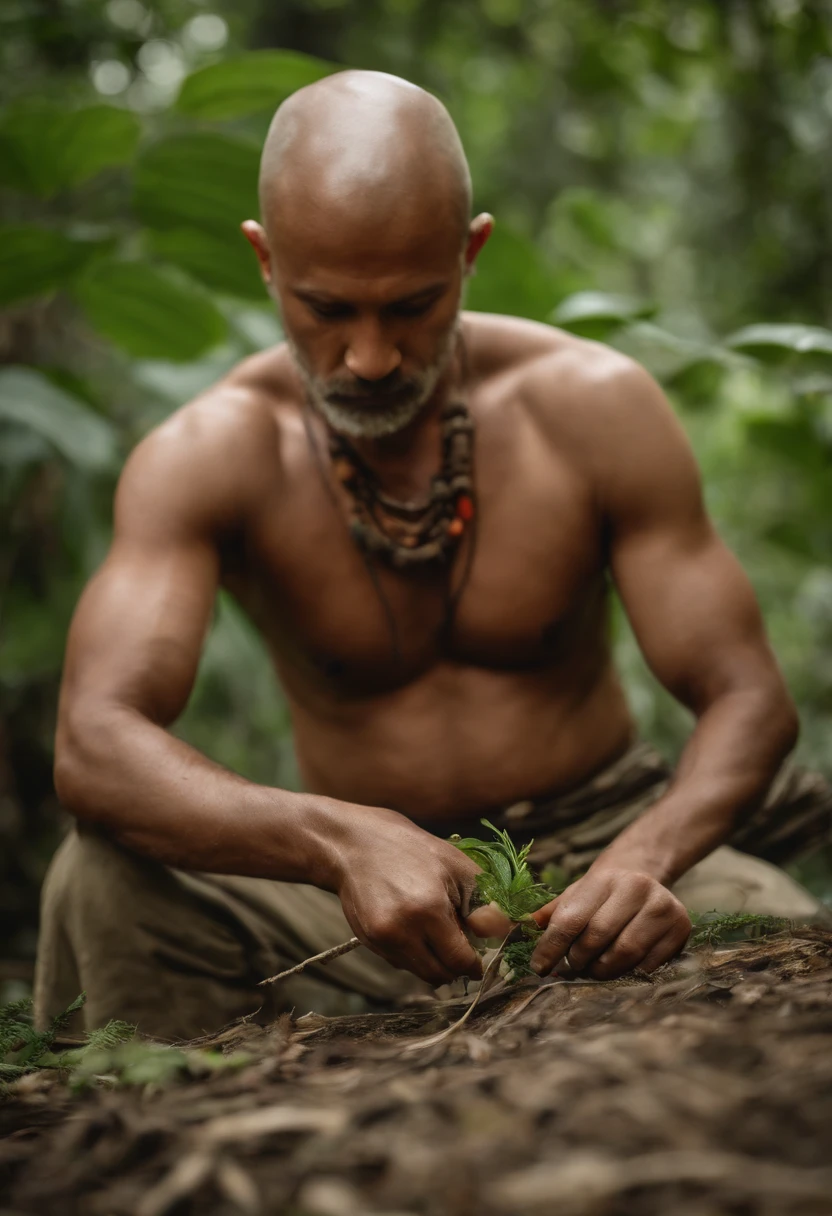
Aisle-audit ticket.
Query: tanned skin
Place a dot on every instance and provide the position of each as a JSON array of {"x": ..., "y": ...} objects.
[{"x": 582, "y": 474}]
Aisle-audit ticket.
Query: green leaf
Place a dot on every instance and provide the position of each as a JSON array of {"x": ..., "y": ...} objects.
[
  {"x": 202, "y": 180},
  {"x": 506, "y": 879},
  {"x": 512, "y": 277},
  {"x": 593, "y": 314},
  {"x": 776, "y": 342},
  {"x": 46, "y": 148},
  {"x": 222, "y": 261},
  {"x": 35, "y": 260},
  {"x": 84, "y": 438},
  {"x": 148, "y": 313},
  {"x": 246, "y": 84}
]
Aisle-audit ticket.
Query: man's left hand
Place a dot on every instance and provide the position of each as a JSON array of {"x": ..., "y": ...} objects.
[{"x": 608, "y": 923}]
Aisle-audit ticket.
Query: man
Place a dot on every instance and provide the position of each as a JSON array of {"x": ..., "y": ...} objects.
[{"x": 418, "y": 508}]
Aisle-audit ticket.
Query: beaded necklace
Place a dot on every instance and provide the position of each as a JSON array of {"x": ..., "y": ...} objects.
[{"x": 408, "y": 535}]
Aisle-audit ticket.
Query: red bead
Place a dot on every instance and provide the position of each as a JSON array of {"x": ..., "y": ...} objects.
[
  {"x": 464, "y": 507},
  {"x": 456, "y": 527}
]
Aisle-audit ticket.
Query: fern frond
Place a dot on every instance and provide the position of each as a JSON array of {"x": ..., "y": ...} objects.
[
  {"x": 711, "y": 928},
  {"x": 15, "y": 1012},
  {"x": 61, "y": 1020},
  {"x": 112, "y": 1035}
]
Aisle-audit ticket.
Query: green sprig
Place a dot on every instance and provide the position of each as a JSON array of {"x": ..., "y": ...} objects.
[{"x": 506, "y": 879}]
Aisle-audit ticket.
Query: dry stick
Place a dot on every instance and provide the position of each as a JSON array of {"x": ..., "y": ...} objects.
[{"x": 326, "y": 956}]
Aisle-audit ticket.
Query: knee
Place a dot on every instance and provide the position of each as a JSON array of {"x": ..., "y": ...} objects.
[{"x": 91, "y": 877}]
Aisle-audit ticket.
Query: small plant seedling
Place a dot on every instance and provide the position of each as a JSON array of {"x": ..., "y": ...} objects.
[{"x": 506, "y": 879}]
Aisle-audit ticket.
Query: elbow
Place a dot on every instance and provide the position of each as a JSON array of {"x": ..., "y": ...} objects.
[
  {"x": 777, "y": 718},
  {"x": 85, "y": 750},
  {"x": 73, "y": 772}
]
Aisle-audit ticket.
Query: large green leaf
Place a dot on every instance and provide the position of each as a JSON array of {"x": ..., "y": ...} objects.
[
  {"x": 147, "y": 312},
  {"x": 245, "y": 84},
  {"x": 667, "y": 355},
  {"x": 45, "y": 148},
  {"x": 223, "y": 261},
  {"x": 35, "y": 260},
  {"x": 512, "y": 277},
  {"x": 594, "y": 314},
  {"x": 777, "y": 342},
  {"x": 84, "y": 438},
  {"x": 203, "y": 180}
]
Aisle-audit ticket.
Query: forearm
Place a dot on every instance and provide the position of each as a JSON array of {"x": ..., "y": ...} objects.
[
  {"x": 157, "y": 795},
  {"x": 734, "y": 753}
]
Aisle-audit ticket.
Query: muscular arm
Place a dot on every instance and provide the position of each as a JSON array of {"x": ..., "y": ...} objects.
[
  {"x": 698, "y": 624},
  {"x": 699, "y": 627},
  {"x": 132, "y": 655}
]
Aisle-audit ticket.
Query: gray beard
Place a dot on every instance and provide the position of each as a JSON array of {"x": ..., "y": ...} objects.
[{"x": 359, "y": 422}]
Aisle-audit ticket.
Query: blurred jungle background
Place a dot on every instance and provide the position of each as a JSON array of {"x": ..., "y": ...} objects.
[{"x": 662, "y": 180}]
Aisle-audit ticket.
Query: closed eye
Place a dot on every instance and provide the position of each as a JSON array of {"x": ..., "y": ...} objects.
[
  {"x": 409, "y": 308},
  {"x": 328, "y": 312}
]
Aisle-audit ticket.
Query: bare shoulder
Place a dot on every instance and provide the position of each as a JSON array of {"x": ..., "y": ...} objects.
[
  {"x": 603, "y": 405},
  {"x": 560, "y": 377},
  {"x": 595, "y": 405},
  {"x": 209, "y": 460}
]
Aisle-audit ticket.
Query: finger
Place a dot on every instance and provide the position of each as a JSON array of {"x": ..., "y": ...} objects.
[
  {"x": 448, "y": 943},
  {"x": 632, "y": 946},
  {"x": 568, "y": 921},
  {"x": 670, "y": 945},
  {"x": 405, "y": 952},
  {"x": 417, "y": 958},
  {"x": 543, "y": 915},
  {"x": 488, "y": 921},
  {"x": 608, "y": 922}
]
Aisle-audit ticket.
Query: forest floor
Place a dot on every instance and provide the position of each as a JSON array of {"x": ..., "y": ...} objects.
[{"x": 707, "y": 1090}]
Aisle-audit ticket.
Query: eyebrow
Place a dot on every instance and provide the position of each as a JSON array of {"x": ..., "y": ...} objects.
[{"x": 323, "y": 297}]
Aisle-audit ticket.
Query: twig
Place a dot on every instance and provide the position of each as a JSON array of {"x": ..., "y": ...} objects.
[
  {"x": 326, "y": 956},
  {"x": 485, "y": 984}
]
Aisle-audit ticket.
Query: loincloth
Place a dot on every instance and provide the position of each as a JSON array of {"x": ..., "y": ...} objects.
[{"x": 570, "y": 830}]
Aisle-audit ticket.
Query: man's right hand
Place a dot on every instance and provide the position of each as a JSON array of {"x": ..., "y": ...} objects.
[{"x": 405, "y": 894}]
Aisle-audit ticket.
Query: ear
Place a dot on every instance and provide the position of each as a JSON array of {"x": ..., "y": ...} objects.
[
  {"x": 479, "y": 231},
  {"x": 256, "y": 237}
]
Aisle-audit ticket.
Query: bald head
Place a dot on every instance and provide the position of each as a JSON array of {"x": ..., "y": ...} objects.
[{"x": 360, "y": 149}]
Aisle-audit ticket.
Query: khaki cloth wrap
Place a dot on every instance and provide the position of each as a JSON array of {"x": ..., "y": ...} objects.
[{"x": 181, "y": 954}]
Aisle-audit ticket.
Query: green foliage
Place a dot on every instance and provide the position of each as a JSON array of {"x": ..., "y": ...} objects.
[
  {"x": 213, "y": 258},
  {"x": 506, "y": 879},
  {"x": 137, "y": 1063},
  {"x": 201, "y": 179},
  {"x": 595, "y": 314},
  {"x": 109, "y": 1053},
  {"x": 148, "y": 312},
  {"x": 247, "y": 84},
  {"x": 513, "y": 277},
  {"x": 30, "y": 400},
  {"x": 517, "y": 955},
  {"x": 24, "y": 1049},
  {"x": 782, "y": 341},
  {"x": 713, "y": 928},
  {"x": 46, "y": 148},
  {"x": 35, "y": 260}
]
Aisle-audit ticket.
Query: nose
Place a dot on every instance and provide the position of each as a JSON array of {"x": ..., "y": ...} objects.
[{"x": 370, "y": 355}]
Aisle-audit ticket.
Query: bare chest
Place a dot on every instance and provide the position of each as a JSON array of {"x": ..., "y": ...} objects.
[{"x": 524, "y": 588}]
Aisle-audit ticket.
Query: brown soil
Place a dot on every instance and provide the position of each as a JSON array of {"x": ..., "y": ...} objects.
[{"x": 708, "y": 1090}]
